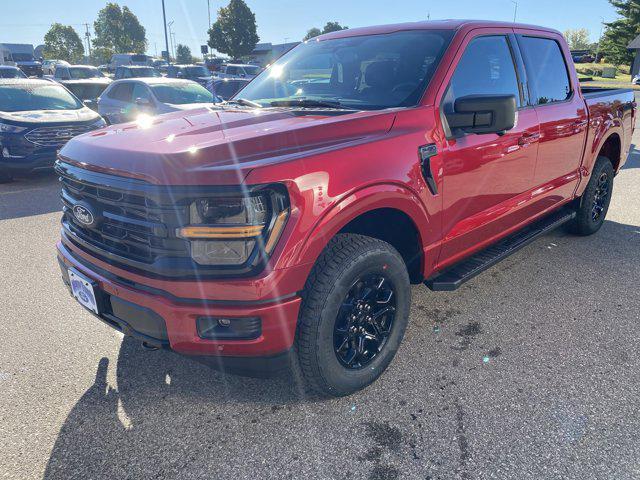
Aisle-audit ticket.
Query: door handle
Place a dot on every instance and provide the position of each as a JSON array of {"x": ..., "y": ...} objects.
[{"x": 528, "y": 138}]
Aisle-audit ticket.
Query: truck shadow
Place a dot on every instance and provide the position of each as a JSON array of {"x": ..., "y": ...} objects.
[
  {"x": 27, "y": 196},
  {"x": 169, "y": 412},
  {"x": 633, "y": 161}
]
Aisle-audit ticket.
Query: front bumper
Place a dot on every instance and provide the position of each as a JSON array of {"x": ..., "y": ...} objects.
[
  {"x": 162, "y": 320},
  {"x": 42, "y": 158}
]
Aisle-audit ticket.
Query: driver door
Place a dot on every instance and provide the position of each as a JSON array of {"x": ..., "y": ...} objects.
[{"x": 486, "y": 177}]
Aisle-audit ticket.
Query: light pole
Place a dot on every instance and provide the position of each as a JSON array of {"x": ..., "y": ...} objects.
[
  {"x": 600, "y": 40},
  {"x": 209, "y": 11},
  {"x": 166, "y": 37},
  {"x": 170, "y": 24},
  {"x": 515, "y": 11}
]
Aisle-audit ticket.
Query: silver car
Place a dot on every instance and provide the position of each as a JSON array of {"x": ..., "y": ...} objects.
[{"x": 126, "y": 100}]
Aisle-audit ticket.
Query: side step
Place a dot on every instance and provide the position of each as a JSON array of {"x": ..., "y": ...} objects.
[{"x": 456, "y": 275}]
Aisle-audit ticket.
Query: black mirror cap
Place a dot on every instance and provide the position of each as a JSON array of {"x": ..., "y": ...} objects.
[{"x": 483, "y": 114}]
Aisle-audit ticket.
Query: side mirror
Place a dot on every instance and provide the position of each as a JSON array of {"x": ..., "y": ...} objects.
[
  {"x": 483, "y": 114},
  {"x": 143, "y": 102},
  {"x": 92, "y": 104},
  {"x": 179, "y": 75}
]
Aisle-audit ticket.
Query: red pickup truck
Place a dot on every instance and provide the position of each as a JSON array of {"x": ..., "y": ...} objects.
[{"x": 286, "y": 226}]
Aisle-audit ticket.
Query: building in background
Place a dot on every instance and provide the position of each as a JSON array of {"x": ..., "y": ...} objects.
[{"x": 266, "y": 53}]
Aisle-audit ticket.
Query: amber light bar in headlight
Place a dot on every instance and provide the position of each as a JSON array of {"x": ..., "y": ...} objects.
[{"x": 220, "y": 232}]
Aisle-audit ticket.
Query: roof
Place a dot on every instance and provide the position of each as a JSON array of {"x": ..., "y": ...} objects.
[
  {"x": 635, "y": 44},
  {"x": 153, "y": 80},
  {"x": 27, "y": 82},
  {"x": 8, "y": 67},
  {"x": 428, "y": 25}
]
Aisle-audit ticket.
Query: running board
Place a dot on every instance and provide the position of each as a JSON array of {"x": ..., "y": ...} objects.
[{"x": 454, "y": 277}]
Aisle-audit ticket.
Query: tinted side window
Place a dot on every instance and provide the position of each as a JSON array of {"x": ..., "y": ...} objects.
[
  {"x": 140, "y": 91},
  {"x": 122, "y": 92},
  {"x": 232, "y": 70},
  {"x": 486, "y": 68},
  {"x": 546, "y": 70}
]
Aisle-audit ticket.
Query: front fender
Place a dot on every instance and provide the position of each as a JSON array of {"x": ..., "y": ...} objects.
[{"x": 330, "y": 222}]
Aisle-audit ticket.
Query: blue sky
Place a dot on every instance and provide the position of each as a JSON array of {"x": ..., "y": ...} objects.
[{"x": 26, "y": 21}]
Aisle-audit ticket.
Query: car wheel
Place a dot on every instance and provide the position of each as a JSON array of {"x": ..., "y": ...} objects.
[
  {"x": 353, "y": 316},
  {"x": 594, "y": 203}
]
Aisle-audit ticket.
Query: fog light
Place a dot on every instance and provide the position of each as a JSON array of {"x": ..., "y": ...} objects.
[
  {"x": 6, "y": 153},
  {"x": 220, "y": 328}
]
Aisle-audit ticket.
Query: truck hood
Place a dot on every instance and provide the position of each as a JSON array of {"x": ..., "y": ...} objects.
[
  {"x": 33, "y": 117},
  {"x": 215, "y": 146}
]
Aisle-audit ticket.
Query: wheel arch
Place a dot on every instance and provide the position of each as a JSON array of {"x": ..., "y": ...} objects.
[{"x": 364, "y": 212}]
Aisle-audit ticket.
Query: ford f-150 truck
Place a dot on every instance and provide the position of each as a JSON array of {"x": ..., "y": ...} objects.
[{"x": 286, "y": 226}]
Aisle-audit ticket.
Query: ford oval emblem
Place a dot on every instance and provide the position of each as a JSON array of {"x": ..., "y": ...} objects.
[{"x": 84, "y": 215}]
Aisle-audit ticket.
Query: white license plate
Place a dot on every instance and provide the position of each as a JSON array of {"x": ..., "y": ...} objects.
[{"x": 82, "y": 290}]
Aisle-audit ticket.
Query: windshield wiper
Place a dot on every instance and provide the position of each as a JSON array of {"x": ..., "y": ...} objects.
[
  {"x": 304, "y": 103},
  {"x": 243, "y": 101}
]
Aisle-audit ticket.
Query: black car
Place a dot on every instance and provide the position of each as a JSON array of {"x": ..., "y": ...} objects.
[
  {"x": 136, "y": 72},
  {"x": 84, "y": 81},
  {"x": 197, "y": 73},
  {"x": 37, "y": 118},
  {"x": 226, "y": 88}
]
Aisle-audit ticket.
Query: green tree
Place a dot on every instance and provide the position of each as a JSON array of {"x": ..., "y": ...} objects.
[
  {"x": 118, "y": 30},
  {"x": 621, "y": 32},
  {"x": 234, "y": 32},
  {"x": 63, "y": 43},
  {"x": 328, "y": 28},
  {"x": 183, "y": 54},
  {"x": 578, "y": 38},
  {"x": 311, "y": 33}
]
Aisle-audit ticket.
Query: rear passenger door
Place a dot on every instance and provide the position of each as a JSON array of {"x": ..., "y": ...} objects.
[{"x": 562, "y": 115}]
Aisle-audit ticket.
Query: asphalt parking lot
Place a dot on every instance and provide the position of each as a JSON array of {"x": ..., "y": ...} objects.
[{"x": 530, "y": 371}]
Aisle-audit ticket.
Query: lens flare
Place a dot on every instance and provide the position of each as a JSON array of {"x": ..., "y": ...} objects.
[
  {"x": 144, "y": 121},
  {"x": 276, "y": 71}
]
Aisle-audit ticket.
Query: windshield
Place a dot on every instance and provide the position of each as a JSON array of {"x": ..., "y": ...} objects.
[
  {"x": 11, "y": 73},
  {"x": 80, "y": 73},
  {"x": 21, "y": 98},
  {"x": 182, "y": 93},
  {"x": 146, "y": 72},
  {"x": 251, "y": 70},
  {"x": 366, "y": 72},
  {"x": 22, "y": 57},
  {"x": 196, "y": 72}
]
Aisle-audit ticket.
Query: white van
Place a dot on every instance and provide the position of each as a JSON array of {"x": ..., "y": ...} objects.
[
  {"x": 5, "y": 56},
  {"x": 125, "y": 59}
]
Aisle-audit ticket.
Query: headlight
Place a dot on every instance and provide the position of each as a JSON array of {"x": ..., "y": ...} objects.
[
  {"x": 233, "y": 230},
  {"x": 99, "y": 123},
  {"x": 8, "y": 128}
]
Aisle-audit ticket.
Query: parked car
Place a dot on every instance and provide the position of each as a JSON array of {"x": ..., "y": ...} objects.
[
  {"x": 21, "y": 55},
  {"x": 7, "y": 71},
  {"x": 125, "y": 100},
  {"x": 120, "y": 59},
  {"x": 161, "y": 65},
  {"x": 290, "y": 224},
  {"x": 240, "y": 70},
  {"x": 49, "y": 66},
  {"x": 37, "y": 117},
  {"x": 225, "y": 88},
  {"x": 136, "y": 72},
  {"x": 84, "y": 81},
  {"x": 197, "y": 73}
]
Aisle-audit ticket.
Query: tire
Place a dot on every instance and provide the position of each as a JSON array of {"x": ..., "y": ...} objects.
[
  {"x": 594, "y": 203},
  {"x": 347, "y": 288}
]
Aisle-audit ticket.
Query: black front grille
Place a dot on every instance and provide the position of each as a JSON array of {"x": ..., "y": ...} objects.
[
  {"x": 56, "y": 136},
  {"x": 128, "y": 224}
]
